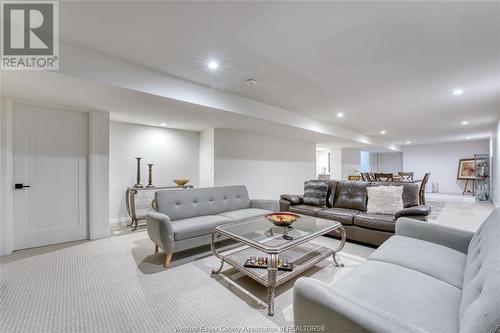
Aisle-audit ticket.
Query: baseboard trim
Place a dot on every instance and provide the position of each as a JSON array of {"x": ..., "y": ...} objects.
[{"x": 121, "y": 221}]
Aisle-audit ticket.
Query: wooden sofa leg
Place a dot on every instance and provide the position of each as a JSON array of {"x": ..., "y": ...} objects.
[
  {"x": 168, "y": 257},
  {"x": 156, "y": 248}
]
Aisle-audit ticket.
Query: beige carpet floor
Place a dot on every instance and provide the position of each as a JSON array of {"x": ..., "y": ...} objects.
[{"x": 118, "y": 285}]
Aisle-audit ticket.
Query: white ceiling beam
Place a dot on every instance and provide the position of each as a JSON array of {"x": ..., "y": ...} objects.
[{"x": 82, "y": 63}]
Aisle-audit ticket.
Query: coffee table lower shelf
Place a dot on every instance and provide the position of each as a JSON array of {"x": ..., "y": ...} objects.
[{"x": 303, "y": 257}]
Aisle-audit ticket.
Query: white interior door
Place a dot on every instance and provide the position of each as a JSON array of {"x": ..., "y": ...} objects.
[{"x": 50, "y": 156}]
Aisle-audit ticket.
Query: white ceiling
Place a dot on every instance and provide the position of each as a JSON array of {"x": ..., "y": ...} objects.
[{"x": 386, "y": 65}]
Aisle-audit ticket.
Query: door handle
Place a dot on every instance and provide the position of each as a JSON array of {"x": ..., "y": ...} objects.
[{"x": 20, "y": 186}]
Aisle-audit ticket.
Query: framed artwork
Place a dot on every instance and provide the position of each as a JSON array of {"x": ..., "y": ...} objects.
[{"x": 467, "y": 168}]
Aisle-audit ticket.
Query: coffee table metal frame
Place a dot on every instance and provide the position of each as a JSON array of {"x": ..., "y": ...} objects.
[{"x": 271, "y": 281}]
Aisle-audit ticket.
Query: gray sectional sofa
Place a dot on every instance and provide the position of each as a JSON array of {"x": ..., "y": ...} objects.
[
  {"x": 426, "y": 278},
  {"x": 346, "y": 203},
  {"x": 185, "y": 218}
]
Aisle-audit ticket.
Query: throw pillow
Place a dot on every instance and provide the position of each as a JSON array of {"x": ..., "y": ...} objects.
[
  {"x": 315, "y": 193},
  {"x": 384, "y": 199}
]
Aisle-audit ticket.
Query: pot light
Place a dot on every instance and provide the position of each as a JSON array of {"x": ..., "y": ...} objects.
[
  {"x": 467, "y": 138},
  {"x": 212, "y": 64},
  {"x": 458, "y": 92},
  {"x": 163, "y": 124},
  {"x": 408, "y": 142},
  {"x": 465, "y": 122},
  {"x": 383, "y": 132},
  {"x": 251, "y": 82},
  {"x": 340, "y": 115}
]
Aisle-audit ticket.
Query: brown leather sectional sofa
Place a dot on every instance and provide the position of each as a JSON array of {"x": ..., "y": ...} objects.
[{"x": 346, "y": 203}]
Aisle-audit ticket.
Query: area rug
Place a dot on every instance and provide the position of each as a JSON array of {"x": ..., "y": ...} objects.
[
  {"x": 118, "y": 285},
  {"x": 436, "y": 209}
]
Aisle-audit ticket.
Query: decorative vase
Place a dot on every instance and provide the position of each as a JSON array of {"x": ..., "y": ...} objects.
[
  {"x": 150, "y": 180},
  {"x": 138, "y": 184}
]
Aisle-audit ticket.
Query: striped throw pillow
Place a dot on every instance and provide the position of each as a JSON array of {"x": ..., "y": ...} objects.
[{"x": 315, "y": 193}]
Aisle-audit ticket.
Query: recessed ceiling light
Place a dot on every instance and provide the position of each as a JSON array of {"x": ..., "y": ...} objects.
[
  {"x": 251, "y": 82},
  {"x": 163, "y": 124},
  {"x": 212, "y": 64},
  {"x": 458, "y": 92},
  {"x": 383, "y": 132},
  {"x": 340, "y": 115},
  {"x": 465, "y": 122},
  {"x": 408, "y": 142},
  {"x": 467, "y": 138}
]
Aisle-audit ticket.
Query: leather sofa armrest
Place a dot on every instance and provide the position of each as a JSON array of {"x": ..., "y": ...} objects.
[
  {"x": 160, "y": 230},
  {"x": 293, "y": 198},
  {"x": 454, "y": 238},
  {"x": 318, "y": 305},
  {"x": 285, "y": 205},
  {"x": 272, "y": 205},
  {"x": 423, "y": 210}
]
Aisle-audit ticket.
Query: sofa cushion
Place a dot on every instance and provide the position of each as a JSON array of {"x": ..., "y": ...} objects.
[
  {"x": 241, "y": 214},
  {"x": 315, "y": 192},
  {"x": 432, "y": 259},
  {"x": 383, "y": 222},
  {"x": 306, "y": 209},
  {"x": 410, "y": 191},
  {"x": 384, "y": 199},
  {"x": 197, "y": 226},
  {"x": 342, "y": 215},
  {"x": 480, "y": 307},
  {"x": 351, "y": 195},
  {"x": 415, "y": 297},
  {"x": 185, "y": 203}
]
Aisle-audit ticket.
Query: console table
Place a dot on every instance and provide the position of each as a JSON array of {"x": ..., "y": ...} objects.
[{"x": 130, "y": 201}]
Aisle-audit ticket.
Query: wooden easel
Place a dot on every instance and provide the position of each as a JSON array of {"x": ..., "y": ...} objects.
[{"x": 466, "y": 184}]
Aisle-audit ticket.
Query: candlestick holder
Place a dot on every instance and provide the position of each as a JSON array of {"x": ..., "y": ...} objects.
[
  {"x": 138, "y": 184},
  {"x": 150, "y": 179}
]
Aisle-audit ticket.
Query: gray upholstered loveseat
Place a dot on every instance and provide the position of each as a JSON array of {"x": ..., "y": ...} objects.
[
  {"x": 426, "y": 278},
  {"x": 185, "y": 218}
]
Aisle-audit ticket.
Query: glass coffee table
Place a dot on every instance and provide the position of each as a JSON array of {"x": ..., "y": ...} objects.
[{"x": 279, "y": 245}]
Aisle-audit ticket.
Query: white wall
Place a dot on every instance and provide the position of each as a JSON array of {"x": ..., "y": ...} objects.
[
  {"x": 335, "y": 163},
  {"x": 6, "y": 176},
  {"x": 377, "y": 162},
  {"x": 335, "y": 160},
  {"x": 351, "y": 160},
  {"x": 99, "y": 124},
  {"x": 389, "y": 162},
  {"x": 174, "y": 154},
  {"x": 441, "y": 160},
  {"x": 268, "y": 166},
  {"x": 495, "y": 165},
  {"x": 207, "y": 158},
  {"x": 322, "y": 163}
]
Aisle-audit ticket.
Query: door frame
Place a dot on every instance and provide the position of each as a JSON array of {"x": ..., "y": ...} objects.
[{"x": 97, "y": 176}]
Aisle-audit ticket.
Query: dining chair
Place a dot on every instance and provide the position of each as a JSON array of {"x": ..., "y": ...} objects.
[
  {"x": 371, "y": 176},
  {"x": 365, "y": 176},
  {"x": 384, "y": 177},
  {"x": 406, "y": 175},
  {"x": 421, "y": 192}
]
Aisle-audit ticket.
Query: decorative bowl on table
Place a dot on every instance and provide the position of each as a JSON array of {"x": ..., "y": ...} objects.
[
  {"x": 283, "y": 219},
  {"x": 181, "y": 181}
]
